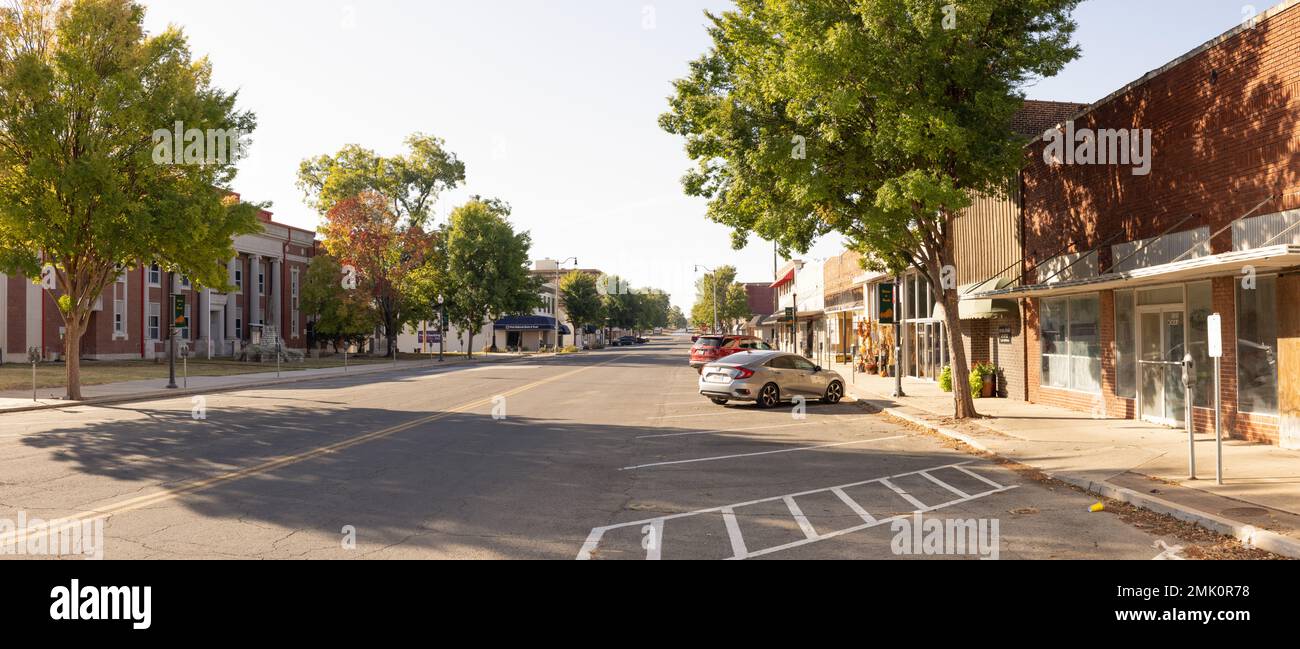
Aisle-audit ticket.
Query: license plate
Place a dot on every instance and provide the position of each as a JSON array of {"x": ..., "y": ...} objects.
[{"x": 718, "y": 378}]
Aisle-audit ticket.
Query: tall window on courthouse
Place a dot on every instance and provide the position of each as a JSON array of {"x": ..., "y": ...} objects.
[
  {"x": 1071, "y": 343},
  {"x": 1257, "y": 347},
  {"x": 1125, "y": 345}
]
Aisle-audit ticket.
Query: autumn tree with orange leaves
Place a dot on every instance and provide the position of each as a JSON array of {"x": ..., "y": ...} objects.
[{"x": 363, "y": 233}]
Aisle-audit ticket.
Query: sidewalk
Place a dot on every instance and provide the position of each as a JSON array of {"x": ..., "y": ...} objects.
[
  {"x": 1131, "y": 461},
  {"x": 126, "y": 391}
]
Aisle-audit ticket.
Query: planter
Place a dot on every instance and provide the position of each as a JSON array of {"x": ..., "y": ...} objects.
[{"x": 989, "y": 389}]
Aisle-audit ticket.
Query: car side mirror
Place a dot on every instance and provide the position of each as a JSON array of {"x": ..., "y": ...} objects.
[{"x": 817, "y": 369}]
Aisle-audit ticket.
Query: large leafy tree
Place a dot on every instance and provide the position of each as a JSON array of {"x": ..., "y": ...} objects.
[
  {"x": 409, "y": 183},
  {"x": 487, "y": 267},
  {"x": 580, "y": 296},
  {"x": 341, "y": 315},
  {"x": 363, "y": 233},
  {"x": 732, "y": 299},
  {"x": 83, "y": 89},
  {"x": 874, "y": 119}
]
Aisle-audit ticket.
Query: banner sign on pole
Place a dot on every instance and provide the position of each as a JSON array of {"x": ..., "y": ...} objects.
[{"x": 1215, "y": 334}]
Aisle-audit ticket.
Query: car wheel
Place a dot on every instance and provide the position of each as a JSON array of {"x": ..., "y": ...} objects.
[
  {"x": 769, "y": 396},
  {"x": 834, "y": 393},
  {"x": 721, "y": 402}
]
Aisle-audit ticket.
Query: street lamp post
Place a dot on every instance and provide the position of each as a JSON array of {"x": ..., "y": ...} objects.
[
  {"x": 556, "y": 306},
  {"x": 714, "y": 290},
  {"x": 442, "y": 334}
]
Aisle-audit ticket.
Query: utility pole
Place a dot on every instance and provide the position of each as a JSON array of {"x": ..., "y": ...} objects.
[{"x": 442, "y": 334}]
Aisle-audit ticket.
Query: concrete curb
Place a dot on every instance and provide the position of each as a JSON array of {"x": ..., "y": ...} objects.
[
  {"x": 1249, "y": 535},
  {"x": 219, "y": 389}
]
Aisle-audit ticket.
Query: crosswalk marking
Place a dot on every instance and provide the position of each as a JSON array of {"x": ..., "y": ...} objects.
[{"x": 740, "y": 550}]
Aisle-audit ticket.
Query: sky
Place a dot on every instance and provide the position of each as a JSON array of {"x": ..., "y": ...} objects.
[{"x": 553, "y": 106}]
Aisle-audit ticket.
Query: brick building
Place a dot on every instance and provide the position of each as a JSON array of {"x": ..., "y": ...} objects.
[
  {"x": 131, "y": 317},
  {"x": 1127, "y": 252}
]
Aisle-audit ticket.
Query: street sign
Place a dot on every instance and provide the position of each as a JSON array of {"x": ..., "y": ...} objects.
[
  {"x": 886, "y": 294},
  {"x": 789, "y": 314},
  {"x": 1215, "y": 333},
  {"x": 179, "y": 320}
]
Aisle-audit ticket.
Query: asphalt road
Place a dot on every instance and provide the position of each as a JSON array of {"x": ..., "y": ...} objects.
[{"x": 606, "y": 455}]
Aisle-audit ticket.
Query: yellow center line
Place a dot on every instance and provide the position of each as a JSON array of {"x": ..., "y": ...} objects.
[{"x": 139, "y": 502}]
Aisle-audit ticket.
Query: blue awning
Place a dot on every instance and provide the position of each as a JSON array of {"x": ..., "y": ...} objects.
[
  {"x": 526, "y": 323},
  {"x": 564, "y": 330}
]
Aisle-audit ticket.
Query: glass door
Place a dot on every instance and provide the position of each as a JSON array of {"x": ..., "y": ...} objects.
[{"x": 1162, "y": 344}]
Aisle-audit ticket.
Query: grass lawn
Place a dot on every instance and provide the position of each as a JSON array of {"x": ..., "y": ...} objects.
[{"x": 51, "y": 375}]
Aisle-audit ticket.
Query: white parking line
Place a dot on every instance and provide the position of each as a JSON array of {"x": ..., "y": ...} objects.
[
  {"x": 740, "y": 549},
  {"x": 739, "y": 455},
  {"x": 920, "y": 506},
  {"x": 722, "y": 431},
  {"x": 945, "y": 485}
]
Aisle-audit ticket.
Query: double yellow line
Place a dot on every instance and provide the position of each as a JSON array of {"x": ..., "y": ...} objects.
[{"x": 147, "y": 500}]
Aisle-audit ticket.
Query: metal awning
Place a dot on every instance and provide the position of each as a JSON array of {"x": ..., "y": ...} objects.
[
  {"x": 1264, "y": 260},
  {"x": 525, "y": 323},
  {"x": 788, "y": 277},
  {"x": 981, "y": 308}
]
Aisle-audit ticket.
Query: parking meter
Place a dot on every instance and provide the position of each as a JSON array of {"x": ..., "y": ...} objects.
[{"x": 1189, "y": 373}]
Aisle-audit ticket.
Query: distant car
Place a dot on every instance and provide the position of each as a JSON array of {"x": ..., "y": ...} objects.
[
  {"x": 710, "y": 348},
  {"x": 642, "y": 341},
  {"x": 768, "y": 378},
  {"x": 627, "y": 341}
]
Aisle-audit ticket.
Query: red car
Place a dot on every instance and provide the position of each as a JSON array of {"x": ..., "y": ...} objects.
[{"x": 711, "y": 347}]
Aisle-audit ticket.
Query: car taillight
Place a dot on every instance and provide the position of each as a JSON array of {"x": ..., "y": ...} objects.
[{"x": 742, "y": 373}]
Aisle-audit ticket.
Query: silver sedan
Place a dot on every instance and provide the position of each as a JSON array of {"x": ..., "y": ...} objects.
[{"x": 768, "y": 378}]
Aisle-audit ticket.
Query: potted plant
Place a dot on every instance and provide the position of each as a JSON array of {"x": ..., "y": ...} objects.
[
  {"x": 983, "y": 380},
  {"x": 945, "y": 379}
]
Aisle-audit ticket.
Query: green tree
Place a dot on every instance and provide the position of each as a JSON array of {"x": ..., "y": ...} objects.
[
  {"x": 732, "y": 298},
  {"x": 677, "y": 319},
  {"x": 875, "y": 119},
  {"x": 84, "y": 94},
  {"x": 341, "y": 315},
  {"x": 410, "y": 183},
  {"x": 488, "y": 275},
  {"x": 581, "y": 299}
]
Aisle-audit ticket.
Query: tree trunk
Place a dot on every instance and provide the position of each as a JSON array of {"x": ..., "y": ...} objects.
[
  {"x": 469, "y": 349},
  {"x": 72, "y": 356},
  {"x": 964, "y": 404}
]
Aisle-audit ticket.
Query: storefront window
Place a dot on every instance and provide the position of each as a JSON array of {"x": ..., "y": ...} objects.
[
  {"x": 1071, "y": 343},
  {"x": 1125, "y": 346},
  {"x": 1200, "y": 306},
  {"x": 1257, "y": 347}
]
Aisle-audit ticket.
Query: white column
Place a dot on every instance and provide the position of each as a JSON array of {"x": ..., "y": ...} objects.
[
  {"x": 254, "y": 298},
  {"x": 273, "y": 305},
  {"x": 231, "y": 300}
]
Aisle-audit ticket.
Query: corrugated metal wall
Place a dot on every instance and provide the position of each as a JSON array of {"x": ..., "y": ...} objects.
[
  {"x": 1257, "y": 232},
  {"x": 987, "y": 237},
  {"x": 1189, "y": 244}
]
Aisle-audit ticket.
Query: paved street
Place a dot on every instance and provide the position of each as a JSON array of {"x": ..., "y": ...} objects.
[{"x": 606, "y": 455}]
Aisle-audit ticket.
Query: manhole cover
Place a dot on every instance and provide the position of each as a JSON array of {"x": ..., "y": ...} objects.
[{"x": 1245, "y": 512}]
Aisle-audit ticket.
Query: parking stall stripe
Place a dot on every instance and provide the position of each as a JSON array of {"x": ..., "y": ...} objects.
[
  {"x": 945, "y": 485},
  {"x": 853, "y": 504},
  {"x": 978, "y": 477},
  {"x": 721, "y": 431},
  {"x": 906, "y": 496},
  {"x": 807, "y": 527},
  {"x": 739, "y": 549},
  {"x": 742, "y": 455}
]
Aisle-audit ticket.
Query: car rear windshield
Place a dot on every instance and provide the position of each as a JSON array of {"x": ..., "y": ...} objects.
[{"x": 709, "y": 342}]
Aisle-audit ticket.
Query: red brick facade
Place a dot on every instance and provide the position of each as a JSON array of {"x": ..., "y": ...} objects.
[{"x": 1225, "y": 123}]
